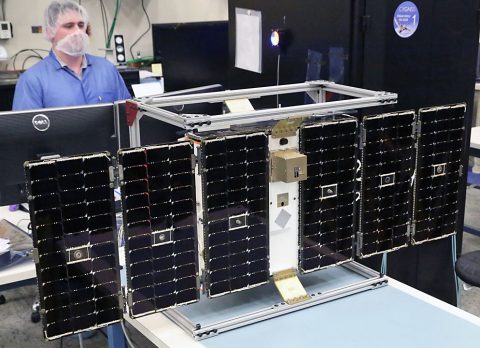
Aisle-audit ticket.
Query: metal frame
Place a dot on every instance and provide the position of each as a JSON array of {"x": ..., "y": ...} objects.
[
  {"x": 359, "y": 98},
  {"x": 152, "y": 106},
  {"x": 373, "y": 280}
]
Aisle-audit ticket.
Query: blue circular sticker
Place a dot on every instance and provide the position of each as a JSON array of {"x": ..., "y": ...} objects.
[{"x": 405, "y": 19}]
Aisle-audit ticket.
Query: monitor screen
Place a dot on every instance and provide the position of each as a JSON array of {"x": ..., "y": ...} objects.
[
  {"x": 35, "y": 134},
  {"x": 153, "y": 131},
  {"x": 192, "y": 54}
]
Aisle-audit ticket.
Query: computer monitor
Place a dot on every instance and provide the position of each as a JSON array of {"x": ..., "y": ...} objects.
[
  {"x": 35, "y": 134},
  {"x": 192, "y": 54},
  {"x": 153, "y": 131}
]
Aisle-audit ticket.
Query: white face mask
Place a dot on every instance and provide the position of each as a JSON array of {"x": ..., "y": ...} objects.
[{"x": 74, "y": 44}]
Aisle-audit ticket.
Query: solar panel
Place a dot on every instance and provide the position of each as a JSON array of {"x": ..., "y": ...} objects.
[
  {"x": 159, "y": 220},
  {"x": 439, "y": 157},
  {"x": 235, "y": 212},
  {"x": 327, "y": 196},
  {"x": 73, "y": 227},
  {"x": 388, "y": 157}
]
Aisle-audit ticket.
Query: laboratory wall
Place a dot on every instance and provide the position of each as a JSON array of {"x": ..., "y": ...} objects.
[{"x": 131, "y": 22}]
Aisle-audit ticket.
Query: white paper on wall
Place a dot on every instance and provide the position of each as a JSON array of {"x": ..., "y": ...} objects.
[{"x": 248, "y": 43}]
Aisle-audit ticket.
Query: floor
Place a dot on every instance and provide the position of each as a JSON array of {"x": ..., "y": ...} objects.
[{"x": 16, "y": 329}]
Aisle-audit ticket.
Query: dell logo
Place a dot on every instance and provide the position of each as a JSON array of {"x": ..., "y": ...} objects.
[{"x": 41, "y": 122}]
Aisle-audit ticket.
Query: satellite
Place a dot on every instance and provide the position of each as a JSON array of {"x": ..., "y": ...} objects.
[{"x": 242, "y": 201}]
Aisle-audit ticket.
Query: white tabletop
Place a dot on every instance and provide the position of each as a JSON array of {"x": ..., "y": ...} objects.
[
  {"x": 24, "y": 270},
  {"x": 475, "y": 138},
  {"x": 410, "y": 317}
]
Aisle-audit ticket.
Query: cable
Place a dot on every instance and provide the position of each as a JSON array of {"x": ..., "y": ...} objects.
[
  {"x": 114, "y": 22},
  {"x": 383, "y": 267},
  {"x": 104, "y": 20},
  {"x": 127, "y": 336},
  {"x": 80, "y": 340},
  {"x": 34, "y": 50},
  {"x": 20, "y": 221},
  {"x": 278, "y": 77},
  {"x": 27, "y": 58},
  {"x": 3, "y": 9},
  {"x": 454, "y": 261},
  {"x": 146, "y": 31}
]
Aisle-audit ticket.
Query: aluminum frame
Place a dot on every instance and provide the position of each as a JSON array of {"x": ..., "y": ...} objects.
[
  {"x": 374, "y": 280},
  {"x": 153, "y": 106}
]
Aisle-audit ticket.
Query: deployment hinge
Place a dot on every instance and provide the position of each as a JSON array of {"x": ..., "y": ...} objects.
[
  {"x": 113, "y": 173},
  {"x": 35, "y": 255},
  {"x": 121, "y": 299},
  {"x": 120, "y": 174},
  {"x": 363, "y": 137},
  {"x": 417, "y": 129},
  {"x": 194, "y": 162},
  {"x": 287, "y": 128},
  {"x": 290, "y": 287},
  {"x": 129, "y": 299},
  {"x": 359, "y": 242}
]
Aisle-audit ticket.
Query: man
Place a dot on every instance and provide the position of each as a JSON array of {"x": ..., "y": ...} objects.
[{"x": 68, "y": 76}]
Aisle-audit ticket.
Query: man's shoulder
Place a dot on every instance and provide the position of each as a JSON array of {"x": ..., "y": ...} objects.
[
  {"x": 38, "y": 72},
  {"x": 38, "y": 67}
]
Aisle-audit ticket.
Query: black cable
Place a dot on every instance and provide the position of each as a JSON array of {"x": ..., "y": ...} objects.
[
  {"x": 34, "y": 50},
  {"x": 3, "y": 9},
  {"x": 146, "y": 31},
  {"x": 15, "y": 56},
  {"x": 27, "y": 58}
]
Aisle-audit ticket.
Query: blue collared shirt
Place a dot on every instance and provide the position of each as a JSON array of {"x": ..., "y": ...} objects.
[{"x": 49, "y": 84}]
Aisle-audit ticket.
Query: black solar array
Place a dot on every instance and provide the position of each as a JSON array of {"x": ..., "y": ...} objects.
[
  {"x": 439, "y": 159},
  {"x": 327, "y": 196},
  {"x": 159, "y": 220},
  {"x": 235, "y": 202},
  {"x": 387, "y": 172},
  {"x": 73, "y": 225}
]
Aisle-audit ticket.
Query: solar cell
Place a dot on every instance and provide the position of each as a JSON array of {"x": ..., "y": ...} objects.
[
  {"x": 439, "y": 156},
  {"x": 388, "y": 157},
  {"x": 159, "y": 218},
  {"x": 74, "y": 233},
  {"x": 327, "y": 196},
  {"x": 235, "y": 202}
]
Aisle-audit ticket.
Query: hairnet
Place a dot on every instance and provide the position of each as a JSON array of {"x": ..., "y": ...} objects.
[{"x": 57, "y": 8}]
